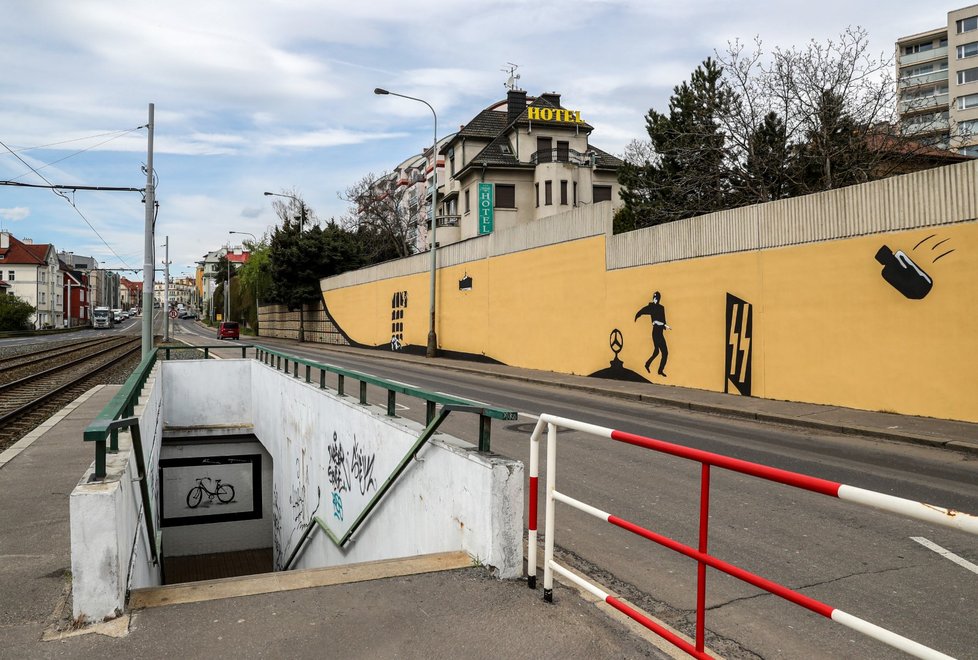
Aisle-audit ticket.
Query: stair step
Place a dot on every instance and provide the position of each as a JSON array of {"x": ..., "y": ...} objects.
[{"x": 250, "y": 585}]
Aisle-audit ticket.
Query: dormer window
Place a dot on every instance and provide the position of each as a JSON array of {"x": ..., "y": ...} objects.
[{"x": 505, "y": 150}]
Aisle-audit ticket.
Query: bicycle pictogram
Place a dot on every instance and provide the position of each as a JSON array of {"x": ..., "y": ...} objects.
[{"x": 223, "y": 492}]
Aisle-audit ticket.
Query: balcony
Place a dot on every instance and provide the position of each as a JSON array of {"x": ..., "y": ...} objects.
[
  {"x": 560, "y": 155},
  {"x": 927, "y": 124},
  {"x": 924, "y": 103},
  {"x": 923, "y": 79},
  {"x": 445, "y": 221},
  {"x": 924, "y": 56}
]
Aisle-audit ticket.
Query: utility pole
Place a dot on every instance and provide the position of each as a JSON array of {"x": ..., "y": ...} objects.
[
  {"x": 149, "y": 243},
  {"x": 227, "y": 283},
  {"x": 166, "y": 292}
]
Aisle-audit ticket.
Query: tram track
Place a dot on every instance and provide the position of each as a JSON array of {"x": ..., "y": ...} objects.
[
  {"x": 26, "y": 364},
  {"x": 31, "y": 398}
]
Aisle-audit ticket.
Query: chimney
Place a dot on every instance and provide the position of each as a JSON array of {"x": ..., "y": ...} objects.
[
  {"x": 515, "y": 104},
  {"x": 553, "y": 98},
  {"x": 4, "y": 240},
  {"x": 27, "y": 241}
]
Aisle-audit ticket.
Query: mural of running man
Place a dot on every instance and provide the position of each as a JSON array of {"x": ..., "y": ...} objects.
[{"x": 658, "y": 315}]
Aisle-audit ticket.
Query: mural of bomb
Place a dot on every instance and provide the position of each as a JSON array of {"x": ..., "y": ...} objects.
[{"x": 903, "y": 274}]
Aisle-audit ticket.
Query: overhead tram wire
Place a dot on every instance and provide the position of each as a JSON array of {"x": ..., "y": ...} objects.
[
  {"x": 56, "y": 190},
  {"x": 89, "y": 137},
  {"x": 115, "y": 136}
]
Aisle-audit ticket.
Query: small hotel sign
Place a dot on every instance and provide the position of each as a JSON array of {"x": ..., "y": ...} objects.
[
  {"x": 486, "y": 204},
  {"x": 554, "y": 114}
]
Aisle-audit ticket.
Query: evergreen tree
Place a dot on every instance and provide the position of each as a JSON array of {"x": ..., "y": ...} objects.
[{"x": 689, "y": 173}]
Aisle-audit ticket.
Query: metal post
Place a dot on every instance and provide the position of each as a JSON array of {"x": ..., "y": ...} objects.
[
  {"x": 227, "y": 283},
  {"x": 548, "y": 525},
  {"x": 166, "y": 292},
  {"x": 149, "y": 243}
]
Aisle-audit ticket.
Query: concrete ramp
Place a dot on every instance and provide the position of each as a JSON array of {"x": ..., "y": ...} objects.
[{"x": 252, "y": 585}]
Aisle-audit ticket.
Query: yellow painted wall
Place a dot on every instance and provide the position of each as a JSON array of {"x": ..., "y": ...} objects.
[{"x": 827, "y": 328}]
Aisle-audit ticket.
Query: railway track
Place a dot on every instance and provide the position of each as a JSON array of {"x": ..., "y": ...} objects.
[
  {"x": 26, "y": 364},
  {"x": 32, "y": 398}
]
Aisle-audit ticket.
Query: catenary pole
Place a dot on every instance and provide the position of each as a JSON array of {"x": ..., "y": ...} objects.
[
  {"x": 166, "y": 292},
  {"x": 149, "y": 242}
]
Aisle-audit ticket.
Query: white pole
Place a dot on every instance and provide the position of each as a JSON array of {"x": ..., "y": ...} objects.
[
  {"x": 548, "y": 531},
  {"x": 166, "y": 291}
]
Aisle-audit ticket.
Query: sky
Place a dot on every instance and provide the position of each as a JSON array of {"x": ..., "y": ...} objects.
[{"x": 277, "y": 95}]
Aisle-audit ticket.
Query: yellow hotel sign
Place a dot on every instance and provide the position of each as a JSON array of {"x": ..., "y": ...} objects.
[{"x": 554, "y": 114}]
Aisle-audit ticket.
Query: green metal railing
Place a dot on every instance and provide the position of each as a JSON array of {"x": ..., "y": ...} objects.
[{"x": 290, "y": 364}]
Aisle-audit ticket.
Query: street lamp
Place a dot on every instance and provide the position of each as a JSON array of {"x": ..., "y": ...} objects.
[
  {"x": 256, "y": 288},
  {"x": 432, "y": 348},
  {"x": 302, "y": 207}
]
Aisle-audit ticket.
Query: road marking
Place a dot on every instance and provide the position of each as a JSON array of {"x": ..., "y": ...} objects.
[
  {"x": 400, "y": 382},
  {"x": 960, "y": 561},
  {"x": 528, "y": 415}
]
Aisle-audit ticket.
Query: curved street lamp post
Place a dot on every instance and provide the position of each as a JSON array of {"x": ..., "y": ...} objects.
[{"x": 432, "y": 348}]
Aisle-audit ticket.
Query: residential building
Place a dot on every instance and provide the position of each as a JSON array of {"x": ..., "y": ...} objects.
[
  {"x": 937, "y": 83},
  {"x": 32, "y": 274},
  {"x": 76, "y": 296},
  {"x": 530, "y": 156},
  {"x": 212, "y": 275},
  {"x": 103, "y": 284},
  {"x": 130, "y": 293}
]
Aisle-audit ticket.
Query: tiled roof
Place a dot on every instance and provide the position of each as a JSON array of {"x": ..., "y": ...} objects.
[
  {"x": 25, "y": 253},
  {"x": 497, "y": 152},
  {"x": 604, "y": 159},
  {"x": 487, "y": 124}
]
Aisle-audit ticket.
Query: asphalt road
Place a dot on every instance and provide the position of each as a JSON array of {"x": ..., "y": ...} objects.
[{"x": 855, "y": 559}]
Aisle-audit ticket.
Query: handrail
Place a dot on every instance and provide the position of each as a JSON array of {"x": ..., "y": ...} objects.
[
  {"x": 426, "y": 435},
  {"x": 280, "y": 361},
  {"x": 132, "y": 423},
  {"x": 909, "y": 508},
  {"x": 122, "y": 404}
]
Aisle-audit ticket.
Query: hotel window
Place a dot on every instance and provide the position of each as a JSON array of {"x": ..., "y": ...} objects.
[
  {"x": 602, "y": 194},
  {"x": 967, "y": 24},
  {"x": 544, "y": 149},
  {"x": 563, "y": 193},
  {"x": 968, "y": 76},
  {"x": 575, "y": 193},
  {"x": 536, "y": 192},
  {"x": 563, "y": 151},
  {"x": 42, "y": 298},
  {"x": 505, "y": 196},
  {"x": 968, "y": 50},
  {"x": 969, "y": 101},
  {"x": 467, "y": 207},
  {"x": 451, "y": 162},
  {"x": 548, "y": 193}
]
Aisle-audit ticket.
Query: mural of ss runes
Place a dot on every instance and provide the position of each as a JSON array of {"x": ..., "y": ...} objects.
[
  {"x": 398, "y": 304},
  {"x": 738, "y": 340}
]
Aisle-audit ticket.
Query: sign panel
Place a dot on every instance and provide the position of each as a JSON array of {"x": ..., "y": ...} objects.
[{"x": 486, "y": 204}]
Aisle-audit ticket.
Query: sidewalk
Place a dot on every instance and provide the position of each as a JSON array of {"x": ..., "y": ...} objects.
[
  {"x": 442, "y": 614},
  {"x": 958, "y": 436}
]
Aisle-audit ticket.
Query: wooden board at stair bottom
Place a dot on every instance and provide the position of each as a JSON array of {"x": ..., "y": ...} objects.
[{"x": 195, "y": 592}]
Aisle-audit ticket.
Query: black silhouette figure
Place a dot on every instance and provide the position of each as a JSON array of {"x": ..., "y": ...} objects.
[{"x": 658, "y": 315}]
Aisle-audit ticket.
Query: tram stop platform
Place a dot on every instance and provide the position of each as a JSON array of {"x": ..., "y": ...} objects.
[{"x": 424, "y": 607}]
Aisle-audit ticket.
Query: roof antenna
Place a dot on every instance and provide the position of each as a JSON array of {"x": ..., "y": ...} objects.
[{"x": 510, "y": 84}]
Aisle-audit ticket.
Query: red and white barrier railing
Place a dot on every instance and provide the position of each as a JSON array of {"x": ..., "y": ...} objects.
[{"x": 904, "y": 507}]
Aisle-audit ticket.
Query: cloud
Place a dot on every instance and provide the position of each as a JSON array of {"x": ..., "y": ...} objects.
[{"x": 15, "y": 214}]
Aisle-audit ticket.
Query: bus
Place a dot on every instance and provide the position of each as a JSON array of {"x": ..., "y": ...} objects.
[{"x": 102, "y": 318}]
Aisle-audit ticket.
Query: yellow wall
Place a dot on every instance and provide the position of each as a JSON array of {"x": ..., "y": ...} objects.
[{"x": 827, "y": 327}]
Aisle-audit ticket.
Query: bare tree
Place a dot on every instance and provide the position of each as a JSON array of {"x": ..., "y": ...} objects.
[
  {"x": 834, "y": 103},
  {"x": 385, "y": 212}
]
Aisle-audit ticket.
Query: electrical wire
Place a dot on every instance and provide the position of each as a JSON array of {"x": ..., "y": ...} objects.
[
  {"x": 67, "y": 199},
  {"x": 72, "y": 155},
  {"x": 90, "y": 137}
]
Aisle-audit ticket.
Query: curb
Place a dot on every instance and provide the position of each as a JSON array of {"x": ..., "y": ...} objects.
[{"x": 882, "y": 434}]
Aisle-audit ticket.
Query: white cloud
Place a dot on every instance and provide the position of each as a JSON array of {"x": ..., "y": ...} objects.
[{"x": 15, "y": 214}]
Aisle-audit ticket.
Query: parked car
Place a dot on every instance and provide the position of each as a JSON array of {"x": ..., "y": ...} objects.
[{"x": 228, "y": 330}]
